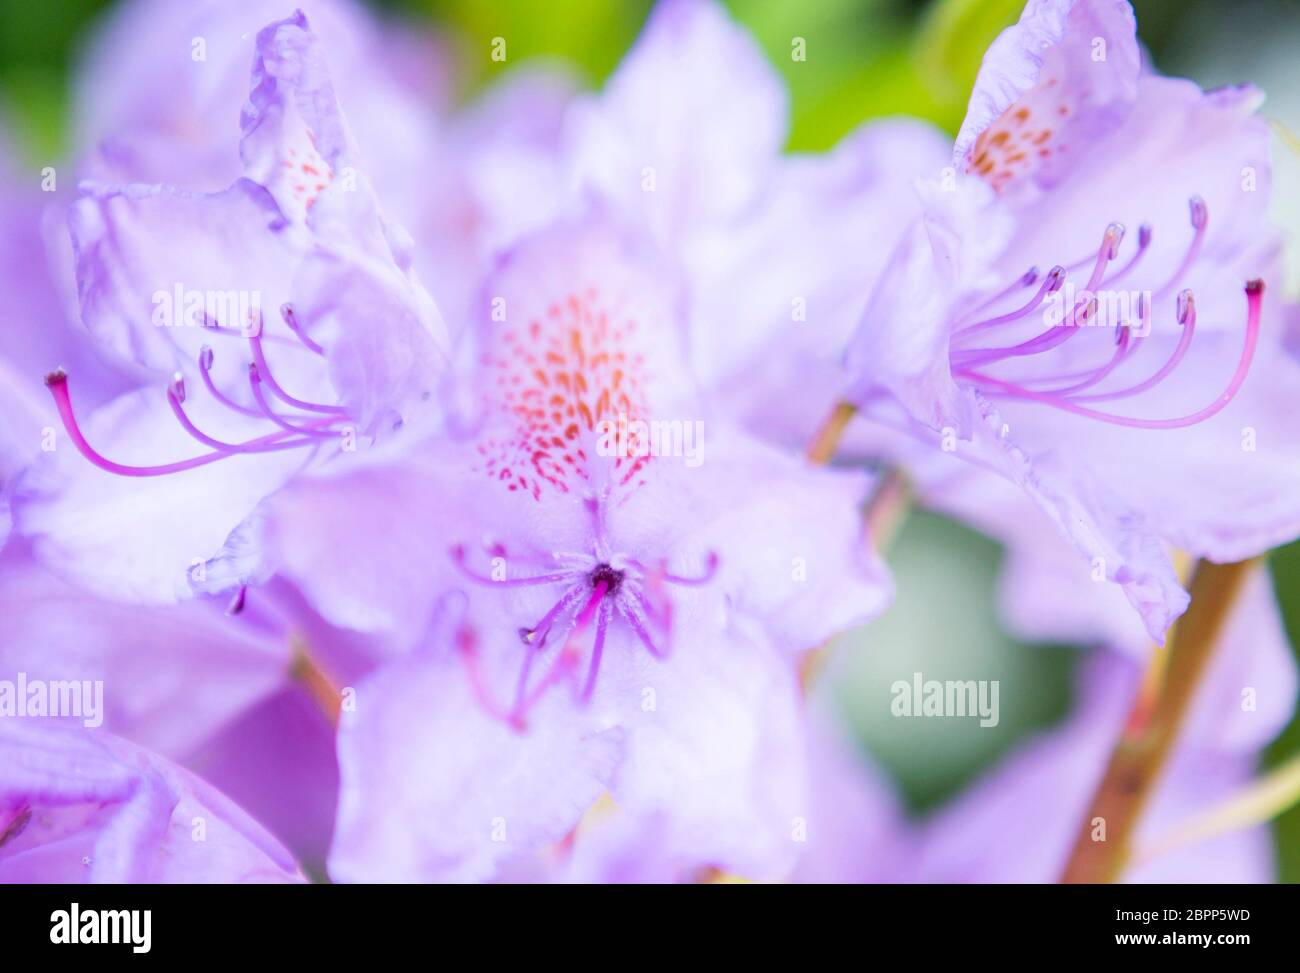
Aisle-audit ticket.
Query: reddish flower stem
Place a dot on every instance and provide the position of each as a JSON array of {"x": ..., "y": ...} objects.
[{"x": 1153, "y": 727}]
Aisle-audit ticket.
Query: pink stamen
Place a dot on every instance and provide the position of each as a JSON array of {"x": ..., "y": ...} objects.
[
  {"x": 568, "y": 655},
  {"x": 291, "y": 319},
  {"x": 1105, "y": 253},
  {"x": 562, "y": 667},
  {"x": 536, "y": 636},
  {"x": 214, "y": 326},
  {"x": 1144, "y": 241},
  {"x": 1051, "y": 284},
  {"x": 1200, "y": 220},
  {"x": 1053, "y": 337},
  {"x": 259, "y": 359},
  {"x": 598, "y": 593},
  {"x": 597, "y": 650},
  {"x": 458, "y": 556},
  {"x": 1108, "y": 251},
  {"x": 205, "y": 369},
  {"x": 710, "y": 569},
  {"x": 255, "y": 379},
  {"x": 57, "y": 383},
  {"x": 1027, "y": 279},
  {"x": 1187, "y": 318},
  {"x": 567, "y": 658},
  {"x": 635, "y": 620},
  {"x": 176, "y": 396},
  {"x": 535, "y": 639},
  {"x": 1254, "y": 292},
  {"x": 467, "y": 648},
  {"x": 1123, "y": 346}
]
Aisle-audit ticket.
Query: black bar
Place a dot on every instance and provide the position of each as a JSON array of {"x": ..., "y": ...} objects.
[{"x": 331, "y": 923}]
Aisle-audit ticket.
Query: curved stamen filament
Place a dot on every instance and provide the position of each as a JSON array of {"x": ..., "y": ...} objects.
[
  {"x": 537, "y": 635},
  {"x": 259, "y": 359},
  {"x": 205, "y": 370},
  {"x": 710, "y": 569},
  {"x": 1055, "y": 279},
  {"x": 175, "y": 398},
  {"x": 1051, "y": 284},
  {"x": 57, "y": 383},
  {"x": 1254, "y": 292},
  {"x": 1084, "y": 380},
  {"x": 567, "y": 657},
  {"x": 458, "y": 556},
  {"x": 597, "y": 651},
  {"x": 594, "y": 606},
  {"x": 255, "y": 382},
  {"x": 291, "y": 319},
  {"x": 636, "y": 621},
  {"x": 467, "y": 648},
  {"x": 1028, "y": 279},
  {"x": 1200, "y": 220},
  {"x": 563, "y": 665},
  {"x": 1109, "y": 249},
  {"x": 213, "y": 326},
  {"x": 1053, "y": 337},
  {"x": 1187, "y": 317},
  {"x": 1144, "y": 241}
]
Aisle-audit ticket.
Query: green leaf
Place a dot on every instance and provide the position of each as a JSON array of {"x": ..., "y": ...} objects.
[{"x": 592, "y": 34}]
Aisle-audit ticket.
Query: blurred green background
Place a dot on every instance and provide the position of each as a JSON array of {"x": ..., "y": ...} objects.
[{"x": 865, "y": 58}]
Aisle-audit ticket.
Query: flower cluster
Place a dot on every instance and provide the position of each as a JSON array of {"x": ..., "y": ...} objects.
[{"x": 430, "y": 484}]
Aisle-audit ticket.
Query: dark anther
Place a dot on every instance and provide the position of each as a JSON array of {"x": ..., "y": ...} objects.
[{"x": 612, "y": 577}]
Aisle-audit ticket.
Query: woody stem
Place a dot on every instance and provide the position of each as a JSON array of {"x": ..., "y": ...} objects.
[
  {"x": 827, "y": 438},
  {"x": 1103, "y": 846},
  {"x": 304, "y": 670}
]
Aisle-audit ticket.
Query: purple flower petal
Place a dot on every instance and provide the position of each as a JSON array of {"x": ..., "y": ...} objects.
[{"x": 85, "y": 807}]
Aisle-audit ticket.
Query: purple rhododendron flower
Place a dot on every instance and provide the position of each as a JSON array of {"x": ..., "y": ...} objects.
[
  {"x": 165, "y": 118},
  {"x": 775, "y": 250},
  {"x": 162, "y": 272},
  {"x": 616, "y": 605},
  {"x": 1018, "y": 821},
  {"x": 218, "y": 693},
  {"x": 1129, "y": 380},
  {"x": 439, "y": 492}
]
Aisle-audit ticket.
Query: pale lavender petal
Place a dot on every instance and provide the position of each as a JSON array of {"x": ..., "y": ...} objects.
[
  {"x": 789, "y": 537},
  {"x": 1248, "y": 694},
  {"x": 695, "y": 109},
  {"x": 1069, "y": 68},
  {"x": 152, "y": 261},
  {"x": 87, "y": 807},
  {"x": 462, "y": 794},
  {"x": 714, "y": 741},
  {"x": 165, "y": 118},
  {"x": 277, "y": 761},
  {"x": 171, "y": 677},
  {"x": 776, "y": 293},
  {"x": 856, "y": 829}
]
